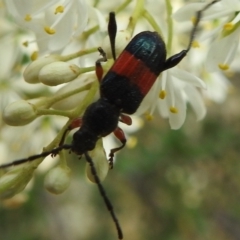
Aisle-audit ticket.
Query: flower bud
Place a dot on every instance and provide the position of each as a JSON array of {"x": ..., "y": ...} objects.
[
  {"x": 31, "y": 72},
  {"x": 73, "y": 100},
  {"x": 14, "y": 181},
  {"x": 19, "y": 113},
  {"x": 100, "y": 163},
  {"x": 122, "y": 39},
  {"x": 57, "y": 73},
  {"x": 57, "y": 180}
]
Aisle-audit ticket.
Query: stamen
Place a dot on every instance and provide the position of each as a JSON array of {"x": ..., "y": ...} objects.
[
  {"x": 148, "y": 116},
  {"x": 49, "y": 30},
  {"x": 132, "y": 142},
  {"x": 223, "y": 66},
  {"x": 162, "y": 94},
  {"x": 173, "y": 109},
  {"x": 59, "y": 9},
  {"x": 195, "y": 44},
  {"x": 34, "y": 55},
  {"x": 228, "y": 26},
  {"x": 25, "y": 44},
  {"x": 28, "y": 18},
  {"x": 193, "y": 20}
]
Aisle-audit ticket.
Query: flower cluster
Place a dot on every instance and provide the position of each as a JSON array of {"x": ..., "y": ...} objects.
[{"x": 61, "y": 37}]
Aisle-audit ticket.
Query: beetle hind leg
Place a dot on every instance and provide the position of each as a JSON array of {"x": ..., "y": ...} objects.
[{"x": 118, "y": 132}]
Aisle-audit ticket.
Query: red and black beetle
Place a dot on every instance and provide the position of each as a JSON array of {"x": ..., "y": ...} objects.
[{"x": 122, "y": 90}]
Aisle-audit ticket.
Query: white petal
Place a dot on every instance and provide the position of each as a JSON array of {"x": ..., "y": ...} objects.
[
  {"x": 64, "y": 30},
  {"x": 196, "y": 101},
  {"x": 9, "y": 52},
  {"x": 187, "y": 77},
  {"x": 99, "y": 18},
  {"x": 149, "y": 100},
  {"x": 82, "y": 16},
  {"x": 174, "y": 98},
  {"x": 215, "y": 11},
  {"x": 163, "y": 108},
  {"x": 217, "y": 87},
  {"x": 185, "y": 13},
  {"x": 176, "y": 120},
  {"x": 222, "y": 51}
]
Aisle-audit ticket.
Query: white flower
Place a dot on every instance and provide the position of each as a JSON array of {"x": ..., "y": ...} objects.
[
  {"x": 226, "y": 36},
  {"x": 24, "y": 141},
  {"x": 174, "y": 90},
  {"x": 54, "y": 22},
  {"x": 58, "y": 26},
  {"x": 217, "y": 87}
]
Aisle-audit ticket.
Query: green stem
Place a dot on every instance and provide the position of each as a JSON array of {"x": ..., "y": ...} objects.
[
  {"x": 41, "y": 112},
  {"x": 170, "y": 25},
  {"x": 62, "y": 158},
  {"x": 96, "y": 3},
  {"x": 86, "y": 69},
  {"x": 48, "y": 102},
  {"x": 152, "y": 21},
  {"x": 58, "y": 138},
  {"x": 122, "y": 6},
  {"x": 92, "y": 30},
  {"x": 78, "y": 111},
  {"x": 225, "y": 33},
  {"x": 137, "y": 12},
  {"x": 78, "y": 54}
]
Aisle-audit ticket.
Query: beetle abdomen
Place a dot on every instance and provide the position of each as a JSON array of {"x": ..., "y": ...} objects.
[{"x": 134, "y": 72}]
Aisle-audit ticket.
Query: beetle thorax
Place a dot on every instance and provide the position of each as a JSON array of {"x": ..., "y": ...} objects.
[{"x": 99, "y": 120}]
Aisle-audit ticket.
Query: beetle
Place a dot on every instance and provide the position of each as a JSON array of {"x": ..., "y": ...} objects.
[{"x": 122, "y": 90}]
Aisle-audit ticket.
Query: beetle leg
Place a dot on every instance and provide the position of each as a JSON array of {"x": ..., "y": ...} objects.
[
  {"x": 98, "y": 65},
  {"x": 118, "y": 132},
  {"x": 125, "y": 119},
  {"x": 77, "y": 122}
]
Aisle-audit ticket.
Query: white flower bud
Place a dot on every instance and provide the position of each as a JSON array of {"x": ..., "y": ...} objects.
[
  {"x": 19, "y": 113},
  {"x": 100, "y": 163},
  {"x": 58, "y": 179},
  {"x": 122, "y": 39},
  {"x": 14, "y": 181},
  {"x": 31, "y": 72},
  {"x": 73, "y": 100},
  {"x": 57, "y": 73}
]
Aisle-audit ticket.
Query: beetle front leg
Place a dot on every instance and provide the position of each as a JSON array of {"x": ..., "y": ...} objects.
[
  {"x": 77, "y": 122},
  {"x": 98, "y": 65},
  {"x": 125, "y": 119},
  {"x": 118, "y": 132}
]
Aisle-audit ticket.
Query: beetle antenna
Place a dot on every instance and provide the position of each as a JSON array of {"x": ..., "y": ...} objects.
[
  {"x": 112, "y": 31},
  {"x": 104, "y": 195},
  {"x": 54, "y": 151},
  {"x": 196, "y": 22}
]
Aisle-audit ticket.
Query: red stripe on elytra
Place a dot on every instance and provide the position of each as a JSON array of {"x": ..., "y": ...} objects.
[{"x": 135, "y": 70}]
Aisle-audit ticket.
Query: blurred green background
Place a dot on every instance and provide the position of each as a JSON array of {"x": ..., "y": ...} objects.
[{"x": 174, "y": 185}]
